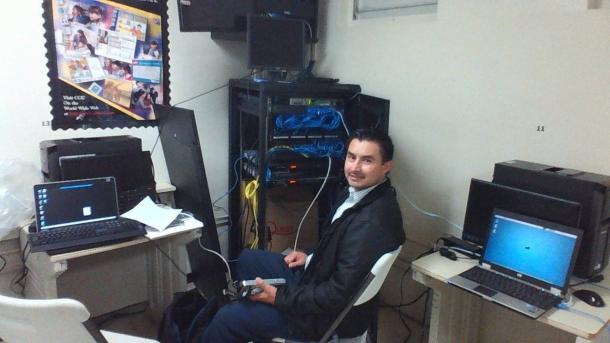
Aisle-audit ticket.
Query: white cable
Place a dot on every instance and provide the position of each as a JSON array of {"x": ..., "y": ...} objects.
[
  {"x": 433, "y": 215},
  {"x": 569, "y": 308},
  {"x": 600, "y": 286},
  {"x": 296, "y": 239},
  {"x": 219, "y": 255},
  {"x": 343, "y": 122}
]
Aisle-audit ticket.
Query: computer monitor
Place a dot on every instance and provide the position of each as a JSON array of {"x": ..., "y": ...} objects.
[
  {"x": 275, "y": 43},
  {"x": 484, "y": 196},
  {"x": 131, "y": 170},
  {"x": 182, "y": 150}
]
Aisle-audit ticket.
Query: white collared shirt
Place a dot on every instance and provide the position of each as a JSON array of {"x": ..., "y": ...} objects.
[{"x": 352, "y": 199}]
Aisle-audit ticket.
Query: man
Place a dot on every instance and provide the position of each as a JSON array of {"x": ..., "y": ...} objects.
[{"x": 366, "y": 224}]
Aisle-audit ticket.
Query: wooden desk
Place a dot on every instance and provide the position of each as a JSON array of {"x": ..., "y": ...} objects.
[
  {"x": 110, "y": 277},
  {"x": 459, "y": 316}
]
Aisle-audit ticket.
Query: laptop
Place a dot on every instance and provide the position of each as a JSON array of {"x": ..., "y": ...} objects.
[
  {"x": 526, "y": 264},
  {"x": 73, "y": 215}
]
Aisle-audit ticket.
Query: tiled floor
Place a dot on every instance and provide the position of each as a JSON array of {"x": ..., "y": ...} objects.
[{"x": 391, "y": 329}]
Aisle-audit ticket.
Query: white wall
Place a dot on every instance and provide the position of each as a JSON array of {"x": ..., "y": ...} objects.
[
  {"x": 197, "y": 64},
  {"x": 470, "y": 84}
]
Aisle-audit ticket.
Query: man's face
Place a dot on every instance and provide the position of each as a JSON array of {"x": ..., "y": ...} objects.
[{"x": 364, "y": 166}]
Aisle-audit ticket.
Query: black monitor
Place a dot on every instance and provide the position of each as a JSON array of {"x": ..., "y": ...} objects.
[
  {"x": 182, "y": 150},
  {"x": 485, "y": 196},
  {"x": 276, "y": 43},
  {"x": 131, "y": 170}
]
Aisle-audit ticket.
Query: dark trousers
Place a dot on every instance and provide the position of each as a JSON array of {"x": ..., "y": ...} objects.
[{"x": 245, "y": 320}]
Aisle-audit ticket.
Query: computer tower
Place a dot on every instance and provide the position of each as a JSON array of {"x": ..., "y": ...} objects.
[
  {"x": 52, "y": 151},
  {"x": 592, "y": 191}
]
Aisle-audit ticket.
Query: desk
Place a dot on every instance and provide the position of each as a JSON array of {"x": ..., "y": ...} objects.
[
  {"x": 459, "y": 316},
  {"x": 110, "y": 277}
]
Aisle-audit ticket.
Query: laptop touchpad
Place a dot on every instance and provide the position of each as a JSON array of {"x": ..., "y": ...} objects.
[{"x": 485, "y": 291}]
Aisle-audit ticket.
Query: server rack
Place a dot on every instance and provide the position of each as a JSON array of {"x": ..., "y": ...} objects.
[{"x": 253, "y": 110}]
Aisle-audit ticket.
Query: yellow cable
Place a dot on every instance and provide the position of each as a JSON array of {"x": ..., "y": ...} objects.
[{"x": 251, "y": 197}]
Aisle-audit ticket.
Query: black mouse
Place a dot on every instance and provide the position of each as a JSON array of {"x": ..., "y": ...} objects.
[{"x": 589, "y": 297}]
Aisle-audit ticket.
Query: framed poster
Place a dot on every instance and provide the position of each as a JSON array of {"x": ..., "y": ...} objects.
[{"x": 107, "y": 62}]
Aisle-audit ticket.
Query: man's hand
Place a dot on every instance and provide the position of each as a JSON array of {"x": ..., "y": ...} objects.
[
  {"x": 268, "y": 292},
  {"x": 295, "y": 259}
]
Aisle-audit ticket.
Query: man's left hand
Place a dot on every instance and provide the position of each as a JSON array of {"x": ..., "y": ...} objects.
[{"x": 268, "y": 293}]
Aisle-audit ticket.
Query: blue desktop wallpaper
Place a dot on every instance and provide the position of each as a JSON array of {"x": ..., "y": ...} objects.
[{"x": 544, "y": 254}]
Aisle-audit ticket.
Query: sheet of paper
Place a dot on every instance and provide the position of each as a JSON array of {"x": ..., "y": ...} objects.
[{"x": 148, "y": 213}]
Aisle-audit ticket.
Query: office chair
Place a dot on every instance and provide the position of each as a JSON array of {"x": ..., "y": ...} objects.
[
  {"x": 369, "y": 287},
  {"x": 53, "y": 321}
]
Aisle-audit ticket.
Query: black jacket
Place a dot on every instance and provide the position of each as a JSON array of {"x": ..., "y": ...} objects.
[{"x": 346, "y": 252}]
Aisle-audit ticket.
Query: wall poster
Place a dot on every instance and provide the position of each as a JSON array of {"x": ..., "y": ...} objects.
[{"x": 107, "y": 62}]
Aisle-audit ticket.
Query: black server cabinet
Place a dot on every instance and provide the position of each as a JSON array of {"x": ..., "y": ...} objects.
[{"x": 253, "y": 110}]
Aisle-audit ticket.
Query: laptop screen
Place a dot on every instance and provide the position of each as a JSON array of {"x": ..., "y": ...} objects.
[
  {"x": 74, "y": 202},
  {"x": 530, "y": 247}
]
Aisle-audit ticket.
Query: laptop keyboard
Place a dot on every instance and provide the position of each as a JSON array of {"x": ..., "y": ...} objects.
[
  {"x": 85, "y": 234},
  {"x": 515, "y": 289},
  {"x": 130, "y": 198}
]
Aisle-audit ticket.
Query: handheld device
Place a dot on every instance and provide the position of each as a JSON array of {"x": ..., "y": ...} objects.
[{"x": 249, "y": 287}]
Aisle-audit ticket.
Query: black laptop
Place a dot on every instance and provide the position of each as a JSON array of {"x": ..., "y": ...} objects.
[
  {"x": 73, "y": 215},
  {"x": 526, "y": 264}
]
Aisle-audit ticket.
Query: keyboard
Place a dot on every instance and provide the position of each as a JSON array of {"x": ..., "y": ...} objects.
[
  {"x": 75, "y": 237},
  {"x": 128, "y": 199},
  {"x": 514, "y": 288}
]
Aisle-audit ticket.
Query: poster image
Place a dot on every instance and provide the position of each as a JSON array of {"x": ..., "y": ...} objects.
[{"x": 107, "y": 62}]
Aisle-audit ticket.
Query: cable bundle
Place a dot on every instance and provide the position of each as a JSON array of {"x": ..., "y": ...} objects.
[
  {"x": 324, "y": 117},
  {"x": 332, "y": 147},
  {"x": 322, "y": 147}
]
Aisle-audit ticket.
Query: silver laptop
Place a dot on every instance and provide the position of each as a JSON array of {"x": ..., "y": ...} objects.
[{"x": 526, "y": 264}]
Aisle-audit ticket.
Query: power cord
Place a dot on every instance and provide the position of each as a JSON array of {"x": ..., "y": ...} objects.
[
  {"x": 296, "y": 239},
  {"x": 430, "y": 214},
  {"x": 402, "y": 279},
  {"x": 569, "y": 308},
  {"x": 193, "y": 98},
  {"x": 594, "y": 279},
  {"x": 166, "y": 255},
  {"x": 219, "y": 255},
  {"x": 423, "y": 332},
  {"x": 20, "y": 279},
  {"x": 232, "y": 188},
  {"x": 3, "y": 263},
  {"x": 102, "y": 320}
]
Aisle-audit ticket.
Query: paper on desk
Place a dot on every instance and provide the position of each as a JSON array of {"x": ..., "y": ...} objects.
[{"x": 148, "y": 213}]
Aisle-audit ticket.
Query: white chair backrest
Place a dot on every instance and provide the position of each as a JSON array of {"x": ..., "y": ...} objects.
[
  {"x": 381, "y": 268},
  {"x": 44, "y": 321}
]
